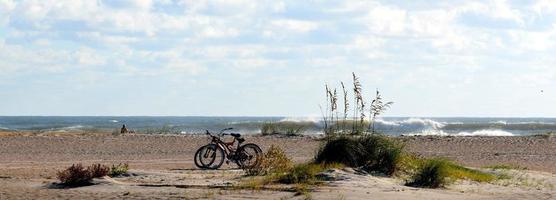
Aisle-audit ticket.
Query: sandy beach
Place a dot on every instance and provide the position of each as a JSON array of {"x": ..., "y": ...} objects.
[{"x": 163, "y": 167}]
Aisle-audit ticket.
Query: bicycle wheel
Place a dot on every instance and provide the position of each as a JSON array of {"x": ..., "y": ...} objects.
[
  {"x": 197, "y": 158},
  {"x": 249, "y": 155},
  {"x": 211, "y": 156}
]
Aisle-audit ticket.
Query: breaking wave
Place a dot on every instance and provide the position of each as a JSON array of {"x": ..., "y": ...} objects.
[{"x": 464, "y": 133}]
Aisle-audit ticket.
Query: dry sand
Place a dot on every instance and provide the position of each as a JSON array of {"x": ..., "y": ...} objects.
[{"x": 163, "y": 168}]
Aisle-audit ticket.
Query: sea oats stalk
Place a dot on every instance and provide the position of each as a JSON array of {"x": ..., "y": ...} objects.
[
  {"x": 359, "y": 110},
  {"x": 325, "y": 113},
  {"x": 377, "y": 108},
  {"x": 334, "y": 109},
  {"x": 346, "y": 106}
]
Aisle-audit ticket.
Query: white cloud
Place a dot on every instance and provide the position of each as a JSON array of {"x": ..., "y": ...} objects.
[
  {"x": 387, "y": 21},
  {"x": 290, "y": 25},
  {"x": 6, "y": 6},
  {"x": 88, "y": 57}
]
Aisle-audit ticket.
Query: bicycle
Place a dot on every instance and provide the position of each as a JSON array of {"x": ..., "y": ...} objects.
[{"x": 212, "y": 155}]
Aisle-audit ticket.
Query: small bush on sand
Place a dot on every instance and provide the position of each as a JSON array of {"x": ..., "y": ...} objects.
[
  {"x": 274, "y": 160},
  {"x": 382, "y": 154},
  {"x": 98, "y": 170},
  {"x": 435, "y": 173},
  {"x": 118, "y": 170},
  {"x": 345, "y": 150},
  {"x": 76, "y": 175},
  {"x": 373, "y": 153}
]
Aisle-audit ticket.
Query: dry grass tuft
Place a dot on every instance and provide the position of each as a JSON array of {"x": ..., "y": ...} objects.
[
  {"x": 274, "y": 160},
  {"x": 76, "y": 175},
  {"x": 98, "y": 170}
]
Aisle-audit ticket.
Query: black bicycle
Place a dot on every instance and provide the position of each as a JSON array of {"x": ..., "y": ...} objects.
[{"x": 212, "y": 155}]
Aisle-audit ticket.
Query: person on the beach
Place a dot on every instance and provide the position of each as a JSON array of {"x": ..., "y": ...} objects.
[{"x": 124, "y": 129}]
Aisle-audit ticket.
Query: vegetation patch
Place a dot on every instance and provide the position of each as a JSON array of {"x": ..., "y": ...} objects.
[
  {"x": 372, "y": 152},
  {"x": 435, "y": 173},
  {"x": 505, "y": 167},
  {"x": 273, "y": 161},
  {"x": 302, "y": 173},
  {"x": 118, "y": 170},
  {"x": 98, "y": 170},
  {"x": 76, "y": 175}
]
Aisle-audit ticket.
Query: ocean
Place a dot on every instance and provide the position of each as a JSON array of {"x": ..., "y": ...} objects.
[{"x": 455, "y": 126}]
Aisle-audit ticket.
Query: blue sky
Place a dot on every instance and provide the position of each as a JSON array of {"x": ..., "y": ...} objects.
[{"x": 272, "y": 58}]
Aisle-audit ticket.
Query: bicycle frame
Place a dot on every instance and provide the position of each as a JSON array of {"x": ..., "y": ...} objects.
[{"x": 217, "y": 141}]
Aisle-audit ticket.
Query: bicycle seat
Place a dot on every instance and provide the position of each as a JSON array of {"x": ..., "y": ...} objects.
[{"x": 236, "y": 135}]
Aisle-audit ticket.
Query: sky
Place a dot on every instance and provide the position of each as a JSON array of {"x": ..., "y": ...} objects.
[{"x": 272, "y": 58}]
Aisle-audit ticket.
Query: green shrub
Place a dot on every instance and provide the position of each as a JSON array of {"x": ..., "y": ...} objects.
[
  {"x": 274, "y": 160},
  {"x": 373, "y": 153},
  {"x": 433, "y": 174},
  {"x": 346, "y": 150},
  {"x": 382, "y": 154},
  {"x": 437, "y": 172},
  {"x": 76, "y": 175},
  {"x": 117, "y": 170}
]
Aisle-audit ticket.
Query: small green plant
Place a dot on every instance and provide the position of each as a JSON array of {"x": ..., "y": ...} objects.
[
  {"x": 76, "y": 175},
  {"x": 433, "y": 174},
  {"x": 274, "y": 160},
  {"x": 118, "y": 170}
]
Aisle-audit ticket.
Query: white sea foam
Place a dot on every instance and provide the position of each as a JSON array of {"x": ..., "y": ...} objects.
[
  {"x": 464, "y": 133},
  {"x": 114, "y": 121},
  {"x": 76, "y": 127},
  {"x": 486, "y": 133},
  {"x": 302, "y": 119},
  {"x": 413, "y": 122}
]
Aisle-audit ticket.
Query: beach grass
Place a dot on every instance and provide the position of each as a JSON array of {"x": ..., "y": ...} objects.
[
  {"x": 505, "y": 167},
  {"x": 375, "y": 153},
  {"x": 439, "y": 172}
]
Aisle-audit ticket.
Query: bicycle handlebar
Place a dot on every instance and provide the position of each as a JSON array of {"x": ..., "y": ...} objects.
[{"x": 221, "y": 133}]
